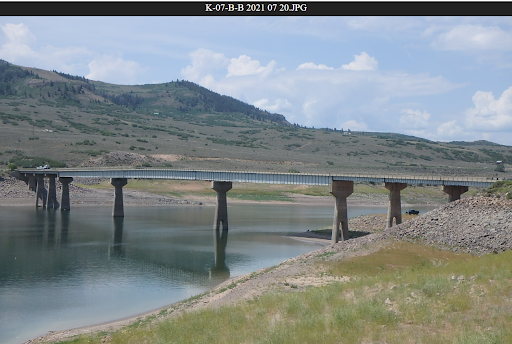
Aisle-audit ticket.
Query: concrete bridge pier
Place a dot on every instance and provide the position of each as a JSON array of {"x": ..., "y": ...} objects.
[
  {"x": 64, "y": 202},
  {"x": 395, "y": 205},
  {"x": 118, "y": 183},
  {"x": 52, "y": 193},
  {"x": 340, "y": 189},
  {"x": 221, "y": 211},
  {"x": 454, "y": 191},
  {"x": 41, "y": 191}
]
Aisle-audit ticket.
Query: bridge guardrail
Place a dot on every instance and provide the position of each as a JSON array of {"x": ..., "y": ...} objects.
[{"x": 259, "y": 177}]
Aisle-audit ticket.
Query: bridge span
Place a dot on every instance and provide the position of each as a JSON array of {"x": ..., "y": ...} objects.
[{"x": 341, "y": 186}]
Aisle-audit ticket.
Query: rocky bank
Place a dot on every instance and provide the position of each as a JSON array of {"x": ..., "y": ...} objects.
[{"x": 476, "y": 225}]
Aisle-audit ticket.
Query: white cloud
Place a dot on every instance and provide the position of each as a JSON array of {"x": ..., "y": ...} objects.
[
  {"x": 278, "y": 106},
  {"x": 18, "y": 33},
  {"x": 449, "y": 131},
  {"x": 414, "y": 119},
  {"x": 204, "y": 62},
  {"x": 312, "y": 97},
  {"x": 311, "y": 65},
  {"x": 17, "y": 45},
  {"x": 474, "y": 37},
  {"x": 362, "y": 62},
  {"x": 114, "y": 69},
  {"x": 489, "y": 113},
  {"x": 244, "y": 65},
  {"x": 18, "y": 49}
]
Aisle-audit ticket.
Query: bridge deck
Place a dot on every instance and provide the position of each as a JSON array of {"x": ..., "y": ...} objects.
[{"x": 260, "y": 177}]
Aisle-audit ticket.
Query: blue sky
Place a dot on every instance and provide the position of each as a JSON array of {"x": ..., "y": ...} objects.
[{"x": 441, "y": 78}]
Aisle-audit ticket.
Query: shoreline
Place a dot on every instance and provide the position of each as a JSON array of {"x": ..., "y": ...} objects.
[
  {"x": 219, "y": 296},
  {"x": 113, "y": 325}
]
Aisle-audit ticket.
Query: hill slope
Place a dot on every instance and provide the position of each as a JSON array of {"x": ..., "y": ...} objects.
[{"x": 61, "y": 119}]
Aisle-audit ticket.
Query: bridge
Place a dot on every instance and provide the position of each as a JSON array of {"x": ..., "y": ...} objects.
[{"x": 341, "y": 186}]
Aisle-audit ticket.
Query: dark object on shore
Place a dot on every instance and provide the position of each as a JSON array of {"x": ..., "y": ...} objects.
[{"x": 412, "y": 212}]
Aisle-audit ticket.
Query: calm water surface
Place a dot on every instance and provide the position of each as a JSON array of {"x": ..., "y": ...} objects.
[{"x": 65, "y": 270}]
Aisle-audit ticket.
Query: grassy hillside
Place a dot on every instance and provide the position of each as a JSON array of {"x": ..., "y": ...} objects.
[{"x": 69, "y": 120}]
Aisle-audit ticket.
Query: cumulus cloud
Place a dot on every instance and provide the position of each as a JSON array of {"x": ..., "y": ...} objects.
[
  {"x": 311, "y": 65},
  {"x": 18, "y": 40},
  {"x": 449, "y": 131},
  {"x": 245, "y": 65},
  {"x": 489, "y": 113},
  {"x": 114, "y": 69},
  {"x": 279, "y": 105},
  {"x": 204, "y": 62},
  {"x": 362, "y": 62},
  {"x": 474, "y": 37},
  {"x": 314, "y": 96},
  {"x": 414, "y": 119},
  {"x": 18, "y": 33}
]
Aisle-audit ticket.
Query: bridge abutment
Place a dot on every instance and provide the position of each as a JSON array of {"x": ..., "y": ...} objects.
[
  {"x": 221, "y": 211},
  {"x": 395, "y": 205},
  {"x": 52, "y": 193},
  {"x": 118, "y": 183},
  {"x": 454, "y": 191},
  {"x": 64, "y": 201},
  {"x": 340, "y": 189}
]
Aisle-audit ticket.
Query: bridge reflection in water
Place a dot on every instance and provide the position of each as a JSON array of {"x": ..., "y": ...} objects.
[
  {"x": 341, "y": 187},
  {"x": 55, "y": 236}
]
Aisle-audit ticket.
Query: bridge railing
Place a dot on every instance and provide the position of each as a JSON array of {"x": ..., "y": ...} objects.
[{"x": 260, "y": 177}]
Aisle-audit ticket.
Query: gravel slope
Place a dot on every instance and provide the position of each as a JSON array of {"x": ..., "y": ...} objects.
[{"x": 476, "y": 225}]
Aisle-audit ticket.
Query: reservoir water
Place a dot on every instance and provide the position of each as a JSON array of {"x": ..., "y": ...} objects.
[{"x": 61, "y": 270}]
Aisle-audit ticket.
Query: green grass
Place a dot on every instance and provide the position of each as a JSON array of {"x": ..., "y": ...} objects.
[
  {"x": 403, "y": 293},
  {"x": 254, "y": 195},
  {"x": 502, "y": 188}
]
